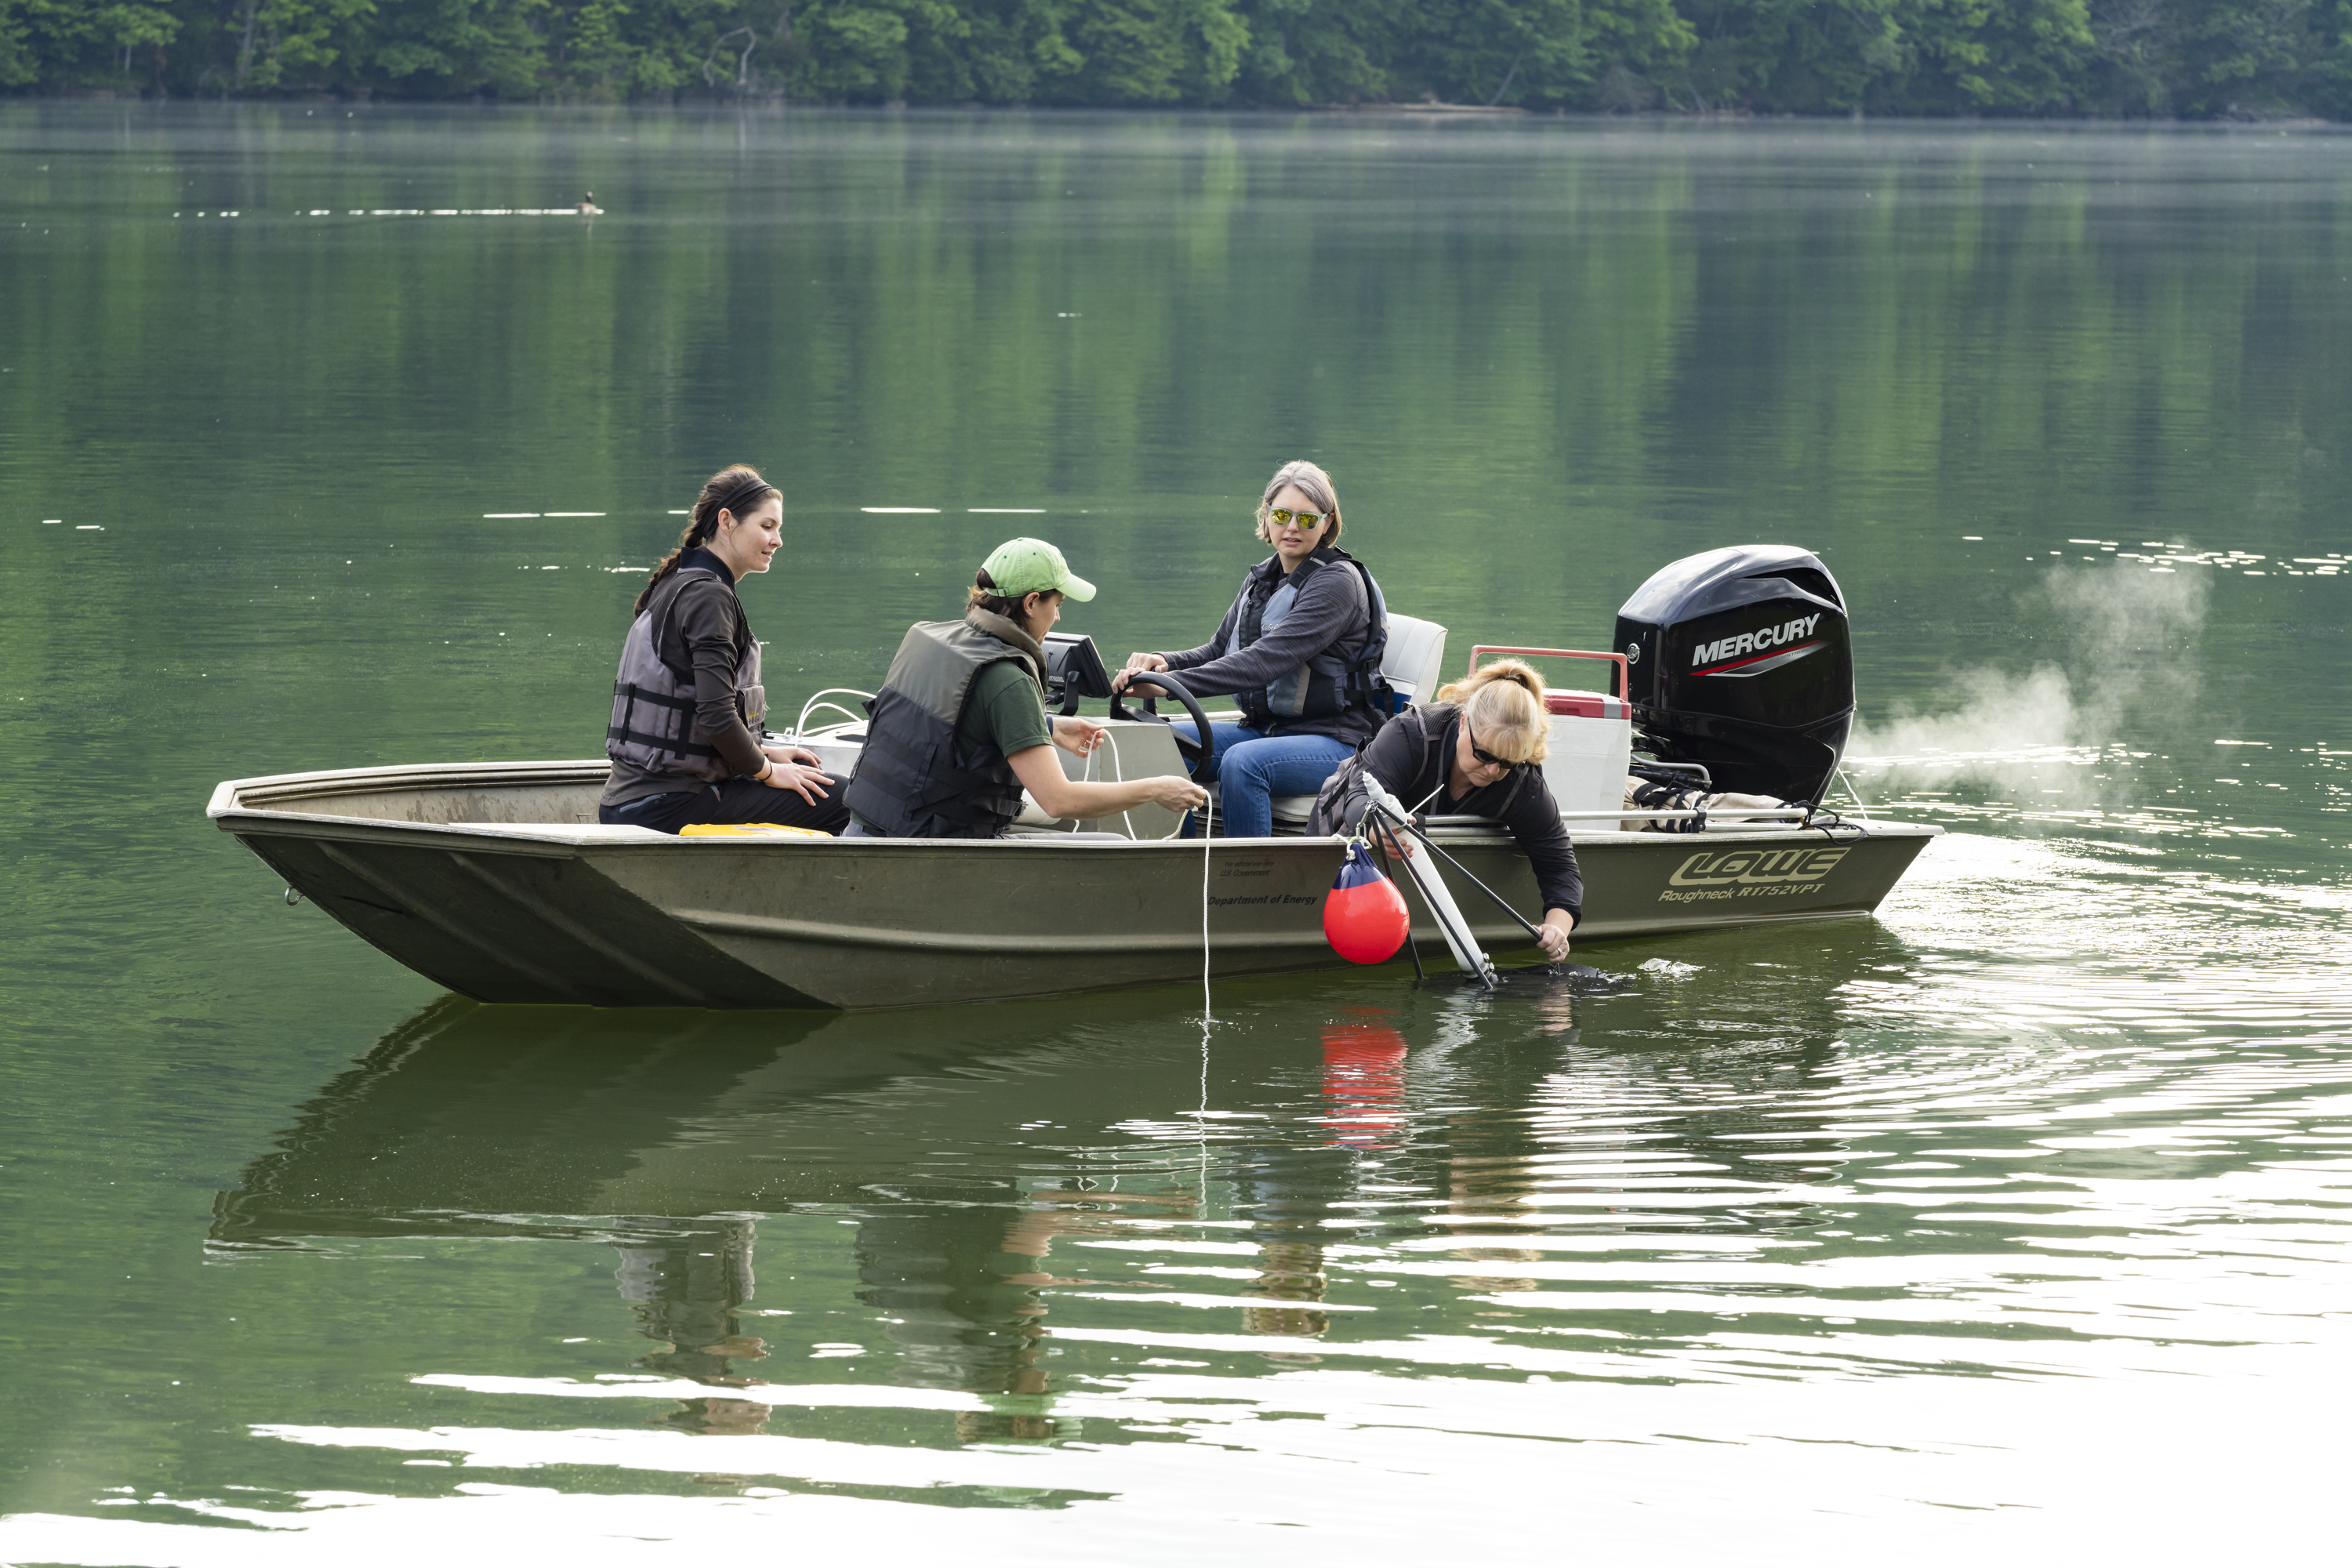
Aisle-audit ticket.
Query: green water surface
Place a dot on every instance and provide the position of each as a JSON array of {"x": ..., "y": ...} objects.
[{"x": 2012, "y": 1220}]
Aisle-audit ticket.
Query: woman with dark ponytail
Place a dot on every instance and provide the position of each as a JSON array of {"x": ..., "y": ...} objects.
[{"x": 688, "y": 706}]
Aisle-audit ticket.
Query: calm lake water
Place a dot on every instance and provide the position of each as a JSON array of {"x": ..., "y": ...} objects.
[{"x": 2012, "y": 1221}]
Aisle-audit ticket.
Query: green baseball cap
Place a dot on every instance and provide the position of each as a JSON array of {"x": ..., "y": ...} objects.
[{"x": 1020, "y": 566}]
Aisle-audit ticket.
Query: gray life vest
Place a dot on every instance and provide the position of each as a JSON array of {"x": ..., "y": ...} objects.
[
  {"x": 1346, "y": 674},
  {"x": 911, "y": 782},
  {"x": 652, "y": 728}
]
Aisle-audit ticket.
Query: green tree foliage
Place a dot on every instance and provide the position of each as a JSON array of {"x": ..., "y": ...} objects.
[{"x": 2196, "y": 58}]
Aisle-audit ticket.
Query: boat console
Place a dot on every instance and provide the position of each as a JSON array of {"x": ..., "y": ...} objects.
[{"x": 1074, "y": 669}]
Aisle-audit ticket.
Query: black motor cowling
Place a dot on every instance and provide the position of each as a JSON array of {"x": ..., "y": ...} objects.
[{"x": 1739, "y": 661}]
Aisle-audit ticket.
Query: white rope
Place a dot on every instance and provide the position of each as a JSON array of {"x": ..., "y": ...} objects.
[
  {"x": 1853, "y": 792},
  {"x": 1119, "y": 774},
  {"x": 816, "y": 701},
  {"x": 1200, "y": 1123},
  {"x": 1208, "y": 810}
]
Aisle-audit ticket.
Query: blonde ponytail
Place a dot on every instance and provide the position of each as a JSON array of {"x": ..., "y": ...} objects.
[{"x": 1503, "y": 703}]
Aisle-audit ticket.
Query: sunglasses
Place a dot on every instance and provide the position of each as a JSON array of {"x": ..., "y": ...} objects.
[
  {"x": 1282, "y": 517},
  {"x": 1489, "y": 758}
]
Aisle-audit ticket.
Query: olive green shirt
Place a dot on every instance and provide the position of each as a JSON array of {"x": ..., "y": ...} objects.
[{"x": 1002, "y": 709}]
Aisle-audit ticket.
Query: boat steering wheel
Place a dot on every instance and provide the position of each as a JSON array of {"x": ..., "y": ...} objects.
[{"x": 1200, "y": 754}]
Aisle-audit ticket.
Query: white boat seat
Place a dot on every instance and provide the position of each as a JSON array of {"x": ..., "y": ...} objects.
[
  {"x": 1294, "y": 811},
  {"x": 1416, "y": 657}
]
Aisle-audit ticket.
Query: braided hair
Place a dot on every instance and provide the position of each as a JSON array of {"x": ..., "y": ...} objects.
[{"x": 735, "y": 489}]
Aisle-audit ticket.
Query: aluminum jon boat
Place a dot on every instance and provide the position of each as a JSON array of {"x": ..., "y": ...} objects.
[{"x": 496, "y": 880}]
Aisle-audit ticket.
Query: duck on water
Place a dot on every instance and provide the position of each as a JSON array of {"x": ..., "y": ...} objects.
[{"x": 1684, "y": 793}]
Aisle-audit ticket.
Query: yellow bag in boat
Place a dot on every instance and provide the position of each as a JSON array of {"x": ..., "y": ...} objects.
[{"x": 748, "y": 830}]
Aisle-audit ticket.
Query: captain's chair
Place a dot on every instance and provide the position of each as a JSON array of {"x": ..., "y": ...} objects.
[{"x": 1416, "y": 653}]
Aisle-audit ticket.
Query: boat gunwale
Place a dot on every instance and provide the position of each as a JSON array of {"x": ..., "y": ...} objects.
[{"x": 229, "y": 807}]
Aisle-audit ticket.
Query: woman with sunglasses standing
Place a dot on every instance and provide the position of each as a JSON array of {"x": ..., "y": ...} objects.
[
  {"x": 1299, "y": 652},
  {"x": 1475, "y": 752}
]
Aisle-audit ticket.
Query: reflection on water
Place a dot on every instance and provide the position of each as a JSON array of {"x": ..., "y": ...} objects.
[
  {"x": 1752, "y": 1186},
  {"x": 684, "y": 1289}
]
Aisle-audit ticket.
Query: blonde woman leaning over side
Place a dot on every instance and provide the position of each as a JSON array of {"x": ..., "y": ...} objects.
[{"x": 1475, "y": 752}]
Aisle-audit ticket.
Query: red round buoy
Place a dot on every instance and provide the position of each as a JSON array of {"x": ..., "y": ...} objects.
[{"x": 1364, "y": 917}]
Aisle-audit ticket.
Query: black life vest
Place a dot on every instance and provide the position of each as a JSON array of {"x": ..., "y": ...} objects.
[
  {"x": 652, "y": 727},
  {"x": 1346, "y": 674},
  {"x": 910, "y": 781}
]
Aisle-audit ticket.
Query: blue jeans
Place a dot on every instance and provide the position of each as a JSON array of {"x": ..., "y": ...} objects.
[{"x": 1254, "y": 767}]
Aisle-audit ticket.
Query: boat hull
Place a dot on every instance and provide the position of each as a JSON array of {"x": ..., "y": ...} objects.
[{"x": 494, "y": 881}]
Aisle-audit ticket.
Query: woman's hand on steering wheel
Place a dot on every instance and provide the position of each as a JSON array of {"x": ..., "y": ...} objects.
[
  {"x": 1137, "y": 663},
  {"x": 1199, "y": 750}
]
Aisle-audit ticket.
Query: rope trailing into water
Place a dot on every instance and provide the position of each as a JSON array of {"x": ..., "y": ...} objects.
[{"x": 1208, "y": 812}]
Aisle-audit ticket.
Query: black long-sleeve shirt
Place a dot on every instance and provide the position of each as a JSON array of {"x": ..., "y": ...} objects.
[
  {"x": 1414, "y": 755},
  {"x": 707, "y": 621}
]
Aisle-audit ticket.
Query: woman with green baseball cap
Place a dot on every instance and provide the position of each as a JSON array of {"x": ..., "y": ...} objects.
[{"x": 959, "y": 726}]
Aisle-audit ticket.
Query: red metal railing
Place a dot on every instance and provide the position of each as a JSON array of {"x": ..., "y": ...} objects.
[{"x": 1623, "y": 686}]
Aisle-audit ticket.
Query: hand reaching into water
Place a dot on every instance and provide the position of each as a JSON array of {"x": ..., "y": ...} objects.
[{"x": 1557, "y": 924}]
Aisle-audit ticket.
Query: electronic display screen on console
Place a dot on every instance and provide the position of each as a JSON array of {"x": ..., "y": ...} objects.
[
  {"x": 1739, "y": 660},
  {"x": 1074, "y": 669}
]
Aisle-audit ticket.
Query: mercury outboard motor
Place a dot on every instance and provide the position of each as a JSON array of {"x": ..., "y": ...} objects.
[{"x": 1739, "y": 660}]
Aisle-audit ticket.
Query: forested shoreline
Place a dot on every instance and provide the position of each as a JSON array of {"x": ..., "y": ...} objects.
[{"x": 2200, "y": 60}]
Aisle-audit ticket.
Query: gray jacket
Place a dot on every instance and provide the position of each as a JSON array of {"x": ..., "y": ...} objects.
[{"x": 1332, "y": 613}]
